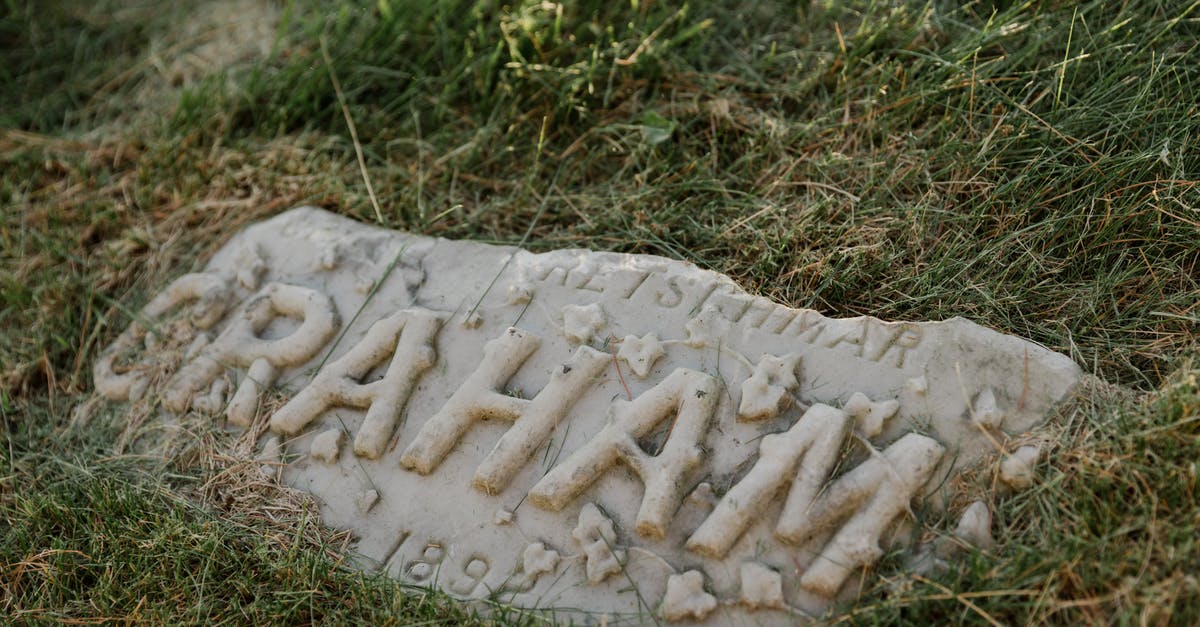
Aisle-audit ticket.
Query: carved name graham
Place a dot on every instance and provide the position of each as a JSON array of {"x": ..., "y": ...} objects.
[{"x": 616, "y": 434}]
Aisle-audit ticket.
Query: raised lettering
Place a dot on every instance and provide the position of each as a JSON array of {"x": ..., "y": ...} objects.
[
  {"x": 210, "y": 296},
  {"x": 244, "y": 406},
  {"x": 480, "y": 398},
  {"x": 473, "y": 571},
  {"x": 803, "y": 456},
  {"x": 758, "y": 313},
  {"x": 676, "y": 292},
  {"x": 866, "y": 500},
  {"x": 625, "y": 281},
  {"x": 407, "y": 337},
  {"x": 874, "y": 339},
  {"x": 690, "y": 397},
  {"x": 581, "y": 276},
  {"x": 551, "y": 273},
  {"x": 703, "y": 300},
  {"x": 240, "y": 345}
]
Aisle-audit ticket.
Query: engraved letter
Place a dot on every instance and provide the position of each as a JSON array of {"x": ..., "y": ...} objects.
[
  {"x": 407, "y": 337},
  {"x": 807, "y": 325},
  {"x": 898, "y": 337},
  {"x": 803, "y": 455},
  {"x": 855, "y": 333},
  {"x": 690, "y": 397},
  {"x": 479, "y": 398}
]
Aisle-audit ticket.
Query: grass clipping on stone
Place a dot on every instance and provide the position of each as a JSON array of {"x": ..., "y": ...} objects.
[{"x": 229, "y": 480}]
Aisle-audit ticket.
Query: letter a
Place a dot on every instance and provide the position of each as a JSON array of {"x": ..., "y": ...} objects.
[
  {"x": 407, "y": 337},
  {"x": 813, "y": 443},
  {"x": 688, "y": 396},
  {"x": 867, "y": 499}
]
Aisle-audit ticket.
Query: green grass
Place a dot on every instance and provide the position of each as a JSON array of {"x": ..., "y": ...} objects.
[{"x": 1029, "y": 165}]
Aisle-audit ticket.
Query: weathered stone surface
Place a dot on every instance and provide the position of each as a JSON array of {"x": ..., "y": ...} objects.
[{"x": 608, "y": 433}]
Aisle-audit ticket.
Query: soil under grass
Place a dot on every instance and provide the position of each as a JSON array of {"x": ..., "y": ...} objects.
[{"x": 1032, "y": 166}]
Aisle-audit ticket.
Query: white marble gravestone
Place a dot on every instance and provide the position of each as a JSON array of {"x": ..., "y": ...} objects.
[{"x": 617, "y": 435}]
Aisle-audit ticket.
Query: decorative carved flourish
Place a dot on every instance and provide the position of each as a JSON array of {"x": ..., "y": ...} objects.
[
  {"x": 869, "y": 415},
  {"x": 210, "y": 296},
  {"x": 686, "y": 597},
  {"x": 1017, "y": 469},
  {"x": 986, "y": 412},
  {"x": 598, "y": 539},
  {"x": 762, "y": 586},
  {"x": 536, "y": 559},
  {"x": 580, "y": 323},
  {"x": 769, "y": 390},
  {"x": 641, "y": 353}
]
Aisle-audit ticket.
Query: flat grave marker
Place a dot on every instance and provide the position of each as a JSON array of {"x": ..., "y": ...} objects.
[{"x": 585, "y": 431}]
